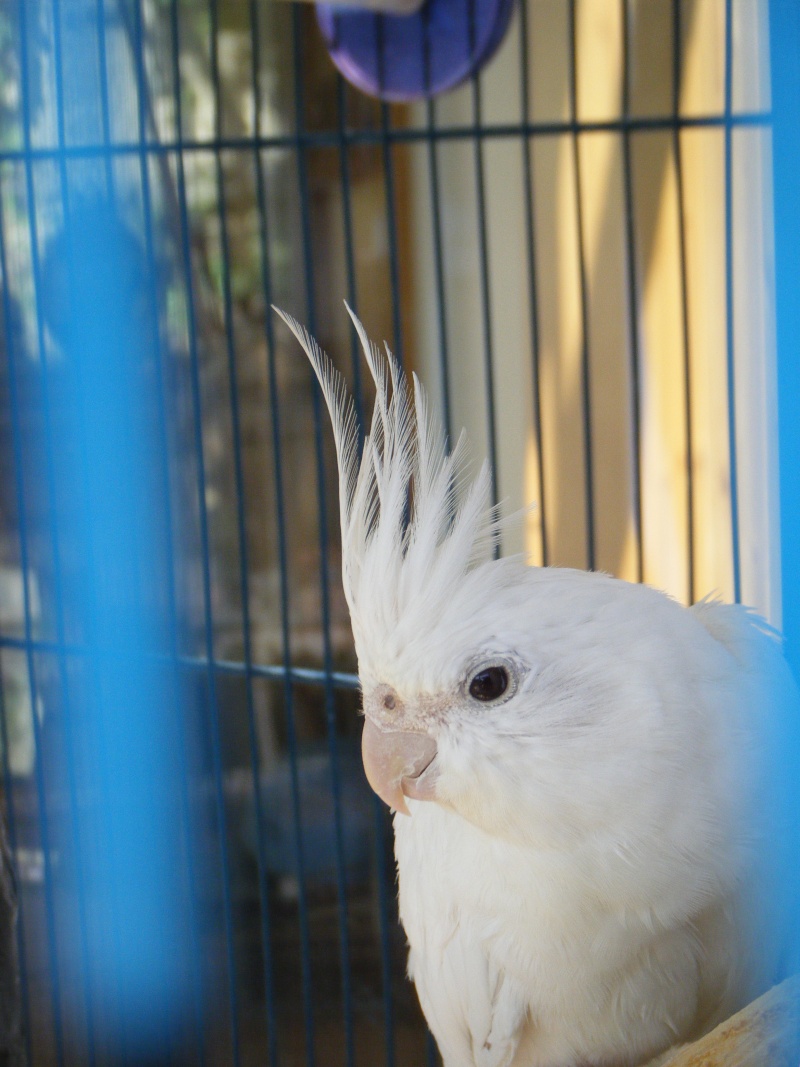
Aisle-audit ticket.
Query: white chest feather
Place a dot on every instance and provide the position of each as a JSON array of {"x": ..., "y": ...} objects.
[{"x": 518, "y": 960}]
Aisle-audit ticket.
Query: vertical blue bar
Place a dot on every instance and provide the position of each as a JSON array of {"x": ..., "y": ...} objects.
[
  {"x": 729, "y": 296},
  {"x": 16, "y": 1007},
  {"x": 785, "y": 63},
  {"x": 127, "y": 731},
  {"x": 484, "y": 270},
  {"x": 162, "y": 437},
  {"x": 213, "y": 713},
  {"x": 280, "y": 536},
  {"x": 526, "y": 145},
  {"x": 633, "y": 294},
  {"x": 438, "y": 259},
  {"x": 586, "y": 392},
  {"x": 677, "y": 69}
]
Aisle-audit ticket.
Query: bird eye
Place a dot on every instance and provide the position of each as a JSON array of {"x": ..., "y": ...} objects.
[{"x": 489, "y": 684}]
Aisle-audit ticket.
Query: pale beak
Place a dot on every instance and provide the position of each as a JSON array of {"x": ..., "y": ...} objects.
[{"x": 396, "y": 762}]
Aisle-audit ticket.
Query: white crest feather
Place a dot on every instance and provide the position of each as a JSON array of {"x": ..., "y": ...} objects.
[{"x": 412, "y": 521}]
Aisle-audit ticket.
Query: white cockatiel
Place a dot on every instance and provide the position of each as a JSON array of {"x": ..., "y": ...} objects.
[{"x": 600, "y": 855}]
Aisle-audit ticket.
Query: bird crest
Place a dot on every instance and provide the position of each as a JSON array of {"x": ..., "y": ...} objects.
[{"x": 413, "y": 521}]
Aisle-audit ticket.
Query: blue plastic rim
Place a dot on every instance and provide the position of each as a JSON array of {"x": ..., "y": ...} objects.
[{"x": 401, "y": 58}]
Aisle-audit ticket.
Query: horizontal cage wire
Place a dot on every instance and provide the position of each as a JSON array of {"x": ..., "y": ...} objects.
[{"x": 568, "y": 249}]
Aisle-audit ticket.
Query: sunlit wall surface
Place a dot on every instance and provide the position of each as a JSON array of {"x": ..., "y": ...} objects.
[{"x": 618, "y": 264}]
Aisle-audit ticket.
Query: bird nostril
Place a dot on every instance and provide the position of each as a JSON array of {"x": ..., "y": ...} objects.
[{"x": 389, "y": 702}]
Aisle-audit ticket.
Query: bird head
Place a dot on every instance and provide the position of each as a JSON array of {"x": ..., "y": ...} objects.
[{"x": 468, "y": 683}]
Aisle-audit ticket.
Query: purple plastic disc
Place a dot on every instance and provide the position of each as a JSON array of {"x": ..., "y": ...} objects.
[{"x": 409, "y": 57}]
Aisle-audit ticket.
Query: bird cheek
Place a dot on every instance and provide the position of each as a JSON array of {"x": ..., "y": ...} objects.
[{"x": 398, "y": 764}]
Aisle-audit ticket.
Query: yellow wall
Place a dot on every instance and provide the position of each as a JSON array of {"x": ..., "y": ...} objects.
[{"x": 678, "y": 330}]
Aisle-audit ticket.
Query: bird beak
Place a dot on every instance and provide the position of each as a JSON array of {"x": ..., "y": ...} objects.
[{"x": 396, "y": 762}]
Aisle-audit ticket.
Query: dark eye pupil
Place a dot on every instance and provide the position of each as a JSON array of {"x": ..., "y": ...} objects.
[{"x": 489, "y": 684}]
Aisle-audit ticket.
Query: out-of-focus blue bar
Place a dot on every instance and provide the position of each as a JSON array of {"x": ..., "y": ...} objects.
[
  {"x": 125, "y": 727},
  {"x": 122, "y": 843},
  {"x": 785, "y": 61}
]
